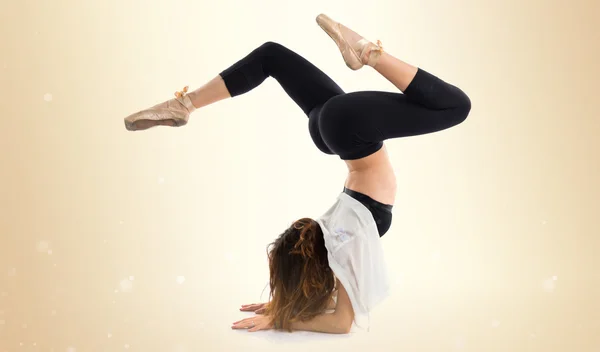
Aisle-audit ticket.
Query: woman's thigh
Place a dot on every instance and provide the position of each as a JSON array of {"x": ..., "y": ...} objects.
[{"x": 354, "y": 125}]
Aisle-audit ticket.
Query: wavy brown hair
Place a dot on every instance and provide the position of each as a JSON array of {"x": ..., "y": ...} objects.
[{"x": 301, "y": 282}]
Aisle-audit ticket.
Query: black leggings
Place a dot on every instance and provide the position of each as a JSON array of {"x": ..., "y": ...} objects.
[{"x": 350, "y": 125}]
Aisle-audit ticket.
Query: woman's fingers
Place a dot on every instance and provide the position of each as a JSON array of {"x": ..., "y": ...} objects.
[
  {"x": 260, "y": 310},
  {"x": 251, "y": 307},
  {"x": 262, "y": 323},
  {"x": 243, "y": 324},
  {"x": 253, "y": 324}
]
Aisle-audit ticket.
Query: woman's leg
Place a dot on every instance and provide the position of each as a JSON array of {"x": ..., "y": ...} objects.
[
  {"x": 395, "y": 70},
  {"x": 355, "y": 125},
  {"x": 209, "y": 93},
  {"x": 307, "y": 85},
  {"x": 429, "y": 90}
]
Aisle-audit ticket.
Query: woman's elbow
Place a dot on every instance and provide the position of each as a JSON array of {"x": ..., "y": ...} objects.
[{"x": 345, "y": 322}]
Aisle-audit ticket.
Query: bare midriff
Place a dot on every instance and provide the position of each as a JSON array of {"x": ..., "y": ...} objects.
[{"x": 374, "y": 176}]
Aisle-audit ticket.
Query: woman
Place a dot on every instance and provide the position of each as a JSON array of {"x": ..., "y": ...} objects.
[{"x": 340, "y": 253}]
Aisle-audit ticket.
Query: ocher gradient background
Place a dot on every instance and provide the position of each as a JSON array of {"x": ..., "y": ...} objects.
[{"x": 112, "y": 240}]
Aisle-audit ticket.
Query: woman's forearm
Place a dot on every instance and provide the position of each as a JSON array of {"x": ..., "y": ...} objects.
[{"x": 331, "y": 323}]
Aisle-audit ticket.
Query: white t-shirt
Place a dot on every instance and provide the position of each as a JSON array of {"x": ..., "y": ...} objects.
[{"x": 355, "y": 255}]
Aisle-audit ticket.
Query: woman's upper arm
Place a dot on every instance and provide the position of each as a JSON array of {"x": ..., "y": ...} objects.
[{"x": 343, "y": 308}]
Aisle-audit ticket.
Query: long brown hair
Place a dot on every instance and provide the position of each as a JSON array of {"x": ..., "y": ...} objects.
[{"x": 301, "y": 281}]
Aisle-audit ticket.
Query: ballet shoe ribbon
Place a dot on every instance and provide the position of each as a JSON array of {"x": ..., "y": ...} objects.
[{"x": 180, "y": 94}]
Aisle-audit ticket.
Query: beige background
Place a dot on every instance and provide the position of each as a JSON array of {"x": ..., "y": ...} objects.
[{"x": 113, "y": 241}]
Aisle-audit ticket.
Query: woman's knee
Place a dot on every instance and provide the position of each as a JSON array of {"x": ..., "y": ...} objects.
[
  {"x": 462, "y": 109},
  {"x": 272, "y": 47}
]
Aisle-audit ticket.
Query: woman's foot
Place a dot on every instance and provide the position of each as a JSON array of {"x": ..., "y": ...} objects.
[
  {"x": 174, "y": 113},
  {"x": 356, "y": 50}
]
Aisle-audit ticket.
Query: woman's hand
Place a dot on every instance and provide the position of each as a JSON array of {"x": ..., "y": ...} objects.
[
  {"x": 255, "y": 323},
  {"x": 258, "y": 308}
]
